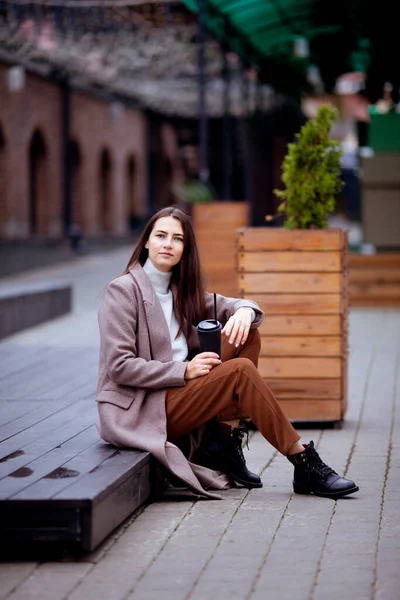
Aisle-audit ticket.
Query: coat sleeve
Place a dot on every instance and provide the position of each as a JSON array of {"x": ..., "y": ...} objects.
[
  {"x": 117, "y": 319},
  {"x": 226, "y": 307}
]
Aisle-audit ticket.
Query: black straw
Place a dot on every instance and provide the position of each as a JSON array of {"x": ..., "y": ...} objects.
[{"x": 215, "y": 307}]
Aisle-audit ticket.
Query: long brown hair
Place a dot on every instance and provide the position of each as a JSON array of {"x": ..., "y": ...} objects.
[{"x": 190, "y": 301}]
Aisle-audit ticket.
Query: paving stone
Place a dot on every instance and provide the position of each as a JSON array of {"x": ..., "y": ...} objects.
[
  {"x": 111, "y": 579},
  {"x": 12, "y": 574},
  {"x": 51, "y": 581}
]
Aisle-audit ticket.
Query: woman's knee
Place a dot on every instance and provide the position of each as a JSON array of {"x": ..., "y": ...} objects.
[{"x": 245, "y": 365}]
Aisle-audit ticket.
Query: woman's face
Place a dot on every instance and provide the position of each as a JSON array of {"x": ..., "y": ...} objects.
[{"x": 165, "y": 244}]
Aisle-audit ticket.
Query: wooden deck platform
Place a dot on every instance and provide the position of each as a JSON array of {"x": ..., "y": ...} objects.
[
  {"x": 24, "y": 306},
  {"x": 59, "y": 483}
]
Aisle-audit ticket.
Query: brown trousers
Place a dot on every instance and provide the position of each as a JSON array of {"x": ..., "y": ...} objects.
[{"x": 232, "y": 390}]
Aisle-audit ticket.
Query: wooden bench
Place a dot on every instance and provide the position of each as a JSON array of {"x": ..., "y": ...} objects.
[
  {"x": 59, "y": 483},
  {"x": 374, "y": 280},
  {"x": 26, "y": 305}
]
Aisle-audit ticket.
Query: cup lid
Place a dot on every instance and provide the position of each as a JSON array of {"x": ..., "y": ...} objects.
[{"x": 209, "y": 325}]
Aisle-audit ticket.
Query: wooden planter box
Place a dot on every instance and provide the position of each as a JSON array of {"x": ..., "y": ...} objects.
[
  {"x": 299, "y": 278},
  {"x": 215, "y": 226}
]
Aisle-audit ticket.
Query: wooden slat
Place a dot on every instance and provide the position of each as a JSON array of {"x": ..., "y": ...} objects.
[
  {"x": 311, "y": 410},
  {"x": 386, "y": 260},
  {"x": 228, "y": 212},
  {"x": 300, "y": 367},
  {"x": 374, "y": 289},
  {"x": 276, "y": 238},
  {"x": 378, "y": 275},
  {"x": 374, "y": 301},
  {"x": 374, "y": 293},
  {"x": 301, "y": 325},
  {"x": 260, "y": 262},
  {"x": 255, "y": 283},
  {"x": 11, "y": 410},
  {"x": 298, "y": 304},
  {"x": 301, "y": 346},
  {"x": 305, "y": 388}
]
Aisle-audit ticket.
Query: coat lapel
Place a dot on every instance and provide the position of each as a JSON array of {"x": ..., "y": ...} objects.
[{"x": 160, "y": 340}]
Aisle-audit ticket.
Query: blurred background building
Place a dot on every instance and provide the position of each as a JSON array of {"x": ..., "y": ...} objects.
[{"x": 111, "y": 109}]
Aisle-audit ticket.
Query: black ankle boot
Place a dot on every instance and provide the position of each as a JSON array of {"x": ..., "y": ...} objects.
[
  {"x": 312, "y": 476},
  {"x": 222, "y": 451}
]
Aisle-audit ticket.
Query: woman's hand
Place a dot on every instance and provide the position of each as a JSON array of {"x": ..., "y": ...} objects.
[
  {"x": 238, "y": 326},
  {"x": 201, "y": 365}
]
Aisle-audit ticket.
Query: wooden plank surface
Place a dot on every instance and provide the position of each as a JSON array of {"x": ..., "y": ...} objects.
[
  {"x": 386, "y": 260},
  {"x": 384, "y": 291},
  {"x": 277, "y": 238},
  {"x": 361, "y": 301},
  {"x": 377, "y": 275},
  {"x": 115, "y": 468},
  {"x": 63, "y": 368},
  {"x": 52, "y": 443},
  {"x": 304, "y": 388},
  {"x": 294, "y": 261},
  {"x": 23, "y": 431},
  {"x": 74, "y": 470},
  {"x": 311, "y": 410},
  {"x": 319, "y": 325},
  {"x": 301, "y": 346},
  {"x": 299, "y": 367},
  {"x": 255, "y": 283},
  {"x": 298, "y": 304},
  {"x": 12, "y": 410},
  {"x": 23, "y": 480}
]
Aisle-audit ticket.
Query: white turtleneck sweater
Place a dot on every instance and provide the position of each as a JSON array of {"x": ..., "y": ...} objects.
[{"x": 160, "y": 282}]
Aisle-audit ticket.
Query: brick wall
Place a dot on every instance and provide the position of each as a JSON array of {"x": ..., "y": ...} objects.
[{"x": 106, "y": 193}]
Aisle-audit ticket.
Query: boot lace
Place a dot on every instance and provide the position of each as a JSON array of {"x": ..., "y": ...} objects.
[
  {"x": 237, "y": 435},
  {"x": 319, "y": 467}
]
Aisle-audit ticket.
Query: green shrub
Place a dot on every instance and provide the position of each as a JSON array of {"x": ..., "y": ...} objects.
[{"x": 311, "y": 174}]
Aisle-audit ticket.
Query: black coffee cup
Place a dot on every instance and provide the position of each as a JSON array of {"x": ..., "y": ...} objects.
[{"x": 209, "y": 333}]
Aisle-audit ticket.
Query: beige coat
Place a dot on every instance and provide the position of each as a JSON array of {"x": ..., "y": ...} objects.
[{"x": 136, "y": 367}]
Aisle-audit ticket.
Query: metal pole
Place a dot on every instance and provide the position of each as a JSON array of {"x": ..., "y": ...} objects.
[
  {"x": 66, "y": 157},
  {"x": 227, "y": 138},
  {"x": 203, "y": 121},
  {"x": 246, "y": 137}
]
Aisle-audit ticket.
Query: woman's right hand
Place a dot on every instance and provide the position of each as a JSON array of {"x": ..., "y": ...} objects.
[{"x": 201, "y": 365}]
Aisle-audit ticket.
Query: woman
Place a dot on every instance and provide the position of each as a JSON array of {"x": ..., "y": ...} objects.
[{"x": 156, "y": 390}]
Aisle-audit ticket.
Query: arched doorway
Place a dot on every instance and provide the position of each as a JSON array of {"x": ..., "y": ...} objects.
[
  {"x": 131, "y": 214},
  {"x": 38, "y": 185},
  {"x": 105, "y": 192},
  {"x": 76, "y": 186},
  {"x": 3, "y": 180}
]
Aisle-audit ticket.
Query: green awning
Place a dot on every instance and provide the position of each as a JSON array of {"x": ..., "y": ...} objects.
[
  {"x": 268, "y": 27},
  {"x": 264, "y": 33}
]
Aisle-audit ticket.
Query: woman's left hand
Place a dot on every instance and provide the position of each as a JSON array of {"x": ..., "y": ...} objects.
[{"x": 238, "y": 326}]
